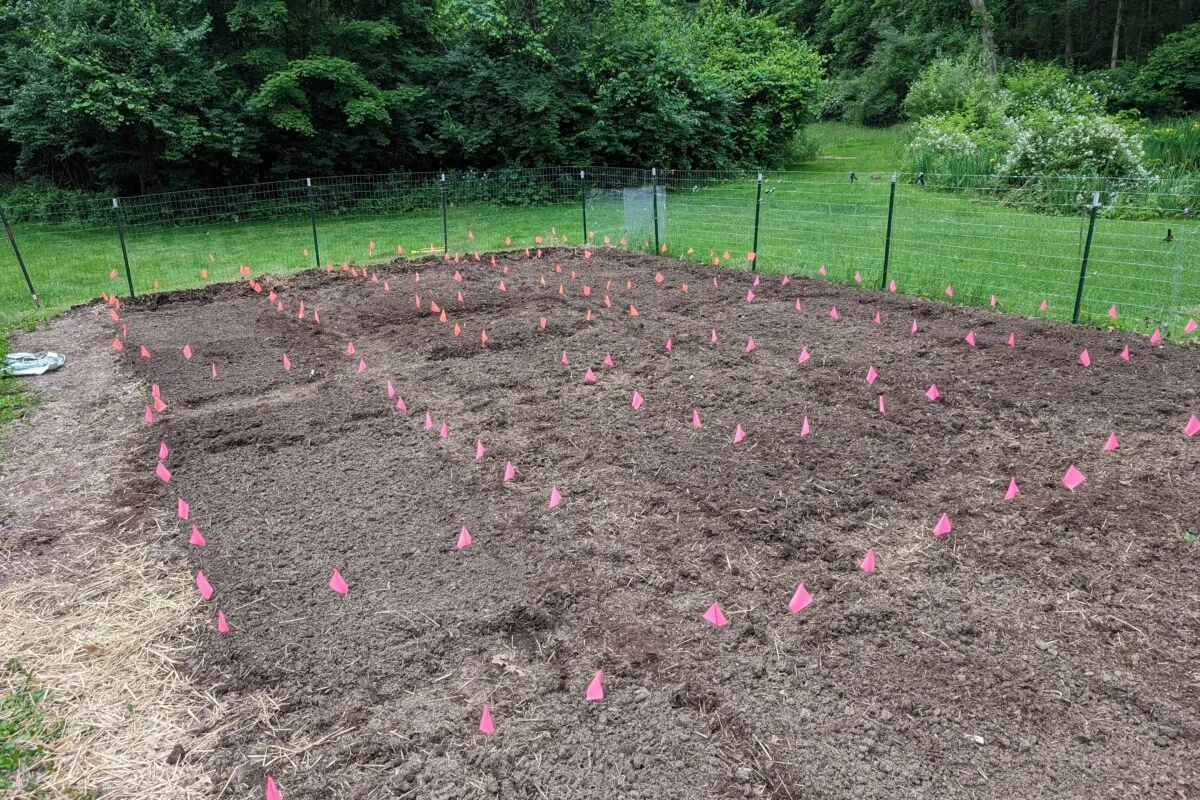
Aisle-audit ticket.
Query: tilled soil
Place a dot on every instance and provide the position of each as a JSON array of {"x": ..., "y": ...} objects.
[{"x": 1047, "y": 647}]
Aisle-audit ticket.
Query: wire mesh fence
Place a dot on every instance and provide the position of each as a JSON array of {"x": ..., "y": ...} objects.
[{"x": 1020, "y": 246}]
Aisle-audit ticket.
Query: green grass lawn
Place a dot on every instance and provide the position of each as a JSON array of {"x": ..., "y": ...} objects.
[{"x": 811, "y": 216}]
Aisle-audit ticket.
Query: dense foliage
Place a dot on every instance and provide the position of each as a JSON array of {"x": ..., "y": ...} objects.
[{"x": 135, "y": 95}]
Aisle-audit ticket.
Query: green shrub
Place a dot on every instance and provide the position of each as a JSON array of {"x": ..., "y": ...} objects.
[{"x": 1170, "y": 80}]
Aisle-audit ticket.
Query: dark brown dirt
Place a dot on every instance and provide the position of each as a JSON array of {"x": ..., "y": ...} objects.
[{"x": 1048, "y": 647}]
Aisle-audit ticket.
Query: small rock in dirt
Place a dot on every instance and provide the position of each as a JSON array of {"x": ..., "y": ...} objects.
[
  {"x": 743, "y": 775},
  {"x": 641, "y": 695},
  {"x": 976, "y": 738}
]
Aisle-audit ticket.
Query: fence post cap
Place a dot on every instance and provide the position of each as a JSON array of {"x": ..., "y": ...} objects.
[
  {"x": 115, "y": 204},
  {"x": 893, "y": 177},
  {"x": 308, "y": 181}
]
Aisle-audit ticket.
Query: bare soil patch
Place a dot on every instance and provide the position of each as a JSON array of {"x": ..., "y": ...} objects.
[{"x": 1047, "y": 647}]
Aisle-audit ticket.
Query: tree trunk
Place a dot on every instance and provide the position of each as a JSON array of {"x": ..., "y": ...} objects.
[
  {"x": 985, "y": 35},
  {"x": 1117, "y": 34},
  {"x": 1069, "y": 48}
]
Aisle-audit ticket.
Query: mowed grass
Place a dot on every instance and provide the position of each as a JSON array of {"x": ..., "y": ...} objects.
[{"x": 811, "y": 216}]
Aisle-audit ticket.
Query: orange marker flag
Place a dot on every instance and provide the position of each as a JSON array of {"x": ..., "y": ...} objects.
[
  {"x": 483, "y": 336},
  {"x": 442, "y": 316},
  {"x": 457, "y": 329},
  {"x": 542, "y": 323},
  {"x": 633, "y": 312},
  {"x": 589, "y": 316},
  {"x": 607, "y": 302}
]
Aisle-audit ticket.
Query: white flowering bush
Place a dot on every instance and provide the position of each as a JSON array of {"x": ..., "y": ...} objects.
[{"x": 1063, "y": 143}]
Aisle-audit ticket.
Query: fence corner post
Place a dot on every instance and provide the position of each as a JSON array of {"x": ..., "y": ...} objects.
[
  {"x": 887, "y": 239},
  {"x": 445, "y": 223},
  {"x": 583, "y": 193},
  {"x": 312, "y": 215},
  {"x": 757, "y": 211},
  {"x": 654, "y": 206},
  {"x": 121, "y": 234},
  {"x": 1087, "y": 249},
  {"x": 20, "y": 261}
]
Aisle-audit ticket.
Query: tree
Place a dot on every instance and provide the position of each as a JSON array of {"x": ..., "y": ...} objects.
[{"x": 985, "y": 35}]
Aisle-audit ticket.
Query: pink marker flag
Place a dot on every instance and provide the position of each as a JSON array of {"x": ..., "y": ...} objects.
[
  {"x": 350, "y": 349},
  {"x": 589, "y": 376},
  {"x": 479, "y": 450},
  {"x": 949, "y": 291},
  {"x": 391, "y": 390},
  {"x": 715, "y": 616},
  {"x": 833, "y": 312},
  {"x": 805, "y": 428},
  {"x": 804, "y": 355},
  {"x": 801, "y": 600},
  {"x": 608, "y": 362},
  {"x": 338, "y": 583},
  {"x": 1013, "y": 489},
  {"x": 206, "y": 589},
  {"x": 485, "y": 721},
  {"x": 563, "y": 358},
  {"x": 786, "y": 280},
  {"x": 214, "y": 372},
  {"x": 163, "y": 473},
  {"x": 428, "y": 421},
  {"x": 197, "y": 538},
  {"x": 595, "y": 689},
  {"x": 222, "y": 623},
  {"x": 914, "y": 326},
  {"x": 713, "y": 337},
  {"x": 932, "y": 392},
  {"x": 444, "y": 432},
  {"x": 750, "y": 345},
  {"x": 857, "y": 278},
  {"x": 878, "y": 319},
  {"x": 696, "y": 419},
  {"x": 1042, "y": 307},
  {"x": 163, "y": 452},
  {"x": 1191, "y": 326},
  {"x": 187, "y": 351},
  {"x": 1112, "y": 311},
  {"x": 970, "y": 338},
  {"x": 1073, "y": 478},
  {"x": 943, "y": 526},
  {"x": 272, "y": 789},
  {"x": 871, "y": 374},
  {"x": 1125, "y": 353},
  {"x": 287, "y": 362},
  {"x": 362, "y": 365},
  {"x": 993, "y": 301},
  {"x": 881, "y": 406},
  {"x": 637, "y": 399},
  {"x": 400, "y": 404},
  {"x": 1155, "y": 337},
  {"x": 555, "y": 497},
  {"x": 509, "y": 471},
  {"x": 757, "y": 280},
  {"x": 868, "y": 562},
  {"x": 750, "y": 296},
  {"x": 892, "y": 286},
  {"x": 669, "y": 344},
  {"x": 1193, "y": 426},
  {"x": 182, "y": 508},
  {"x": 1012, "y": 339},
  {"x": 1111, "y": 443},
  {"x": 822, "y": 269},
  {"x": 464, "y": 538},
  {"x": 1084, "y": 358},
  {"x": 738, "y": 434},
  {"x": 799, "y": 306}
]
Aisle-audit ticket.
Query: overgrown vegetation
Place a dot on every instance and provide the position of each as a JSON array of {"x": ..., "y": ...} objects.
[{"x": 27, "y": 733}]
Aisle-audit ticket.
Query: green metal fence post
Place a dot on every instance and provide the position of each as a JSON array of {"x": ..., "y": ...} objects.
[
  {"x": 20, "y": 261},
  {"x": 445, "y": 224},
  {"x": 887, "y": 239},
  {"x": 1087, "y": 249},
  {"x": 312, "y": 215},
  {"x": 757, "y": 212},
  {"x": 121, "y": 236},
  {"x": 654, "y": 206},
  {"x": 583, "y": 191}
]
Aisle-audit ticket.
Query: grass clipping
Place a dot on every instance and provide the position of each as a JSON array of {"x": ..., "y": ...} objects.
[{"x": 103, "y": 636}]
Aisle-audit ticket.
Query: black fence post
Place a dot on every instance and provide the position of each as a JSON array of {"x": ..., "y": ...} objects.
[
  {"x": 654, "y": 206},
  {"x": 757, "y": 212},
  {"x": 312, "y": 215},
  {"x": 20, "y": 261},
  {"x": 445, "y": 226},
  {"x": 121, "y": 235},
  {"x": 1087, "y": 249},
  {"x": 887, "y": 240},
  {"x": 583, "y": 191}
]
